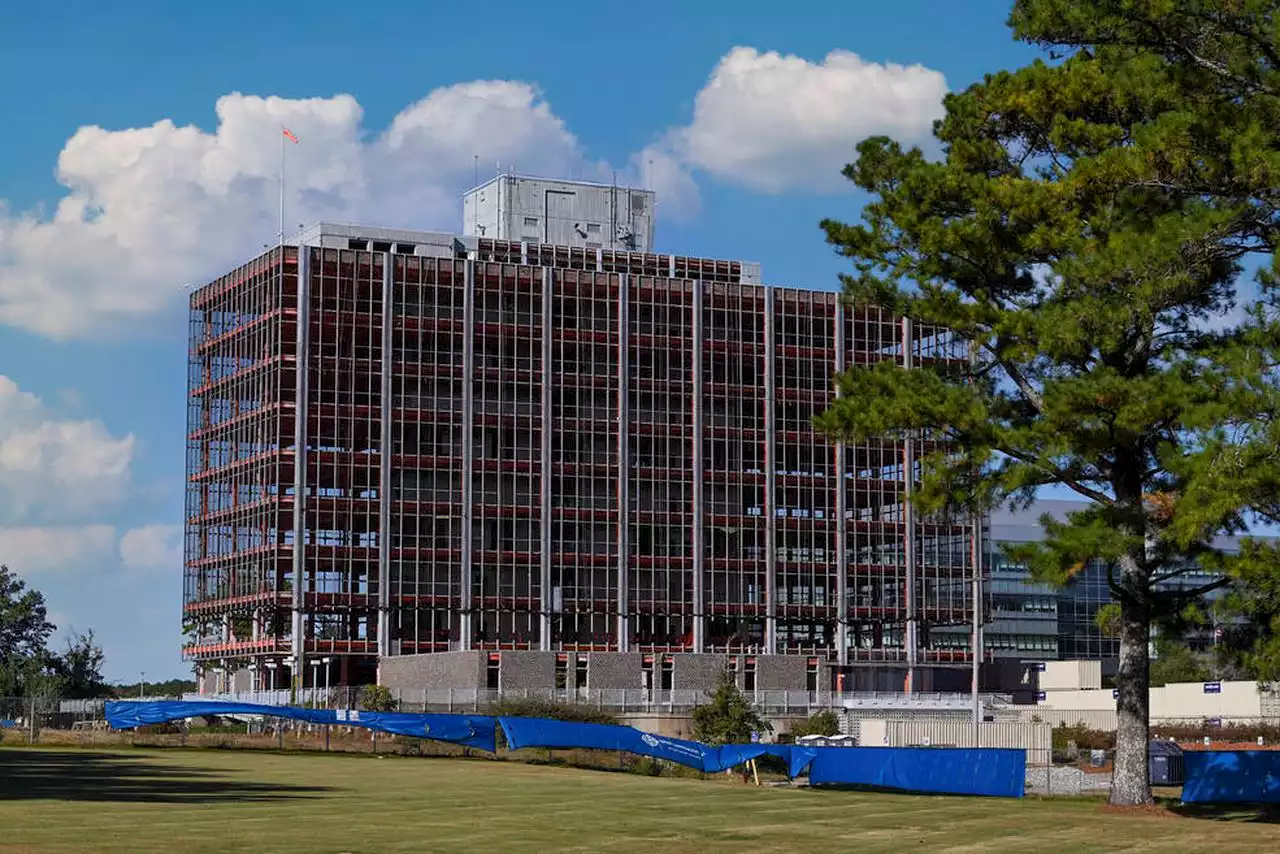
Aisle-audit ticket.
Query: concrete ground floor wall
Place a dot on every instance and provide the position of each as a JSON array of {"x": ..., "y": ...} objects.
[{"x": 523, "y": 670}]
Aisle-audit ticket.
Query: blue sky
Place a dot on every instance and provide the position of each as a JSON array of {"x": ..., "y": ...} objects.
[{"x": 101, "y": 230}]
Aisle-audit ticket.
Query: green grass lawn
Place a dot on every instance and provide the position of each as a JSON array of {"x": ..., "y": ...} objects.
[{"x": 208, "y": 800}]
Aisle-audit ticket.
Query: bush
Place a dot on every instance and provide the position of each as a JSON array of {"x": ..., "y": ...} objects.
[
  {"x": 1084, "y": 738},
  {"x": 729, "y": 718},
  {"x": 826, "y": 722},
  {"x": 1092, "y": 739},
  {"x": 1229, "y": 733},
  {"x": 377, "y": 698},
  {"x": 532, "y": 708},
  {"x": 646, "y": 767}
]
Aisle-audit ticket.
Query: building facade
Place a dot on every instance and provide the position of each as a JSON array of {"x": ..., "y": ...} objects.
[{"x": 407, "y": 443}]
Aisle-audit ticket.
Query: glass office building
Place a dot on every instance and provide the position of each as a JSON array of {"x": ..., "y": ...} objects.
[{"x": 1031, "y": 620}]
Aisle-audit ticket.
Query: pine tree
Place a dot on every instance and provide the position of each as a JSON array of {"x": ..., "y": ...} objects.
[{"x": 1084, "y": 229}]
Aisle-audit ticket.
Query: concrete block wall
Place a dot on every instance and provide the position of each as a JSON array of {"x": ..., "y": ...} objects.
[
  {"x": 464, "y": 670},
  {"x": 614, "y": 670},
  {"x": 526, "y": 670},
  {"x": 691, "y": 671},
  {"x": 782, "y": 673}
]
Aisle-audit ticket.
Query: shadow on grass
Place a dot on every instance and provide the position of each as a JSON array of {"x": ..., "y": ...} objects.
[
  {"x": 1259, "y": 813},
  {"x": 89, "y": 776}
]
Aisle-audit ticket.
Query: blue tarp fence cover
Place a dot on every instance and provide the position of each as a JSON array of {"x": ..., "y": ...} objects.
[
  {"x": 1231, "y": 777},
  {"x": 993, "y": 772},
  {"x": 469, "y": 730},
  {"x": 539, "y": 732},
  {"x": 986, "y": 771}
]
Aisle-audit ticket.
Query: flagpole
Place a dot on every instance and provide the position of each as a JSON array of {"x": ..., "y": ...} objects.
[{"x": 282, "y": 142}]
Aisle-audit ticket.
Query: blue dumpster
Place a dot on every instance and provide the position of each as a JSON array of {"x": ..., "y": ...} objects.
[{"x": 1164, "y": 759}]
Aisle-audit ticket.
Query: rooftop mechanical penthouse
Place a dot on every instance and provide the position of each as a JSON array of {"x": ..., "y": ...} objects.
[{"x": 407, "y": 442}]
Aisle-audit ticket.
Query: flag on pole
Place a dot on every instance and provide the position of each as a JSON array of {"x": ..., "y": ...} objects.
[{"x": 289, "y": 135}]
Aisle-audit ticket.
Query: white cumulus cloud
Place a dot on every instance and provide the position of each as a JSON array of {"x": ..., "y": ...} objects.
[
  {"x": 152, "y": 548},
  {"x": 35, "y": 550},
  {"x": 775, "y": 123},
  {"x": 52, "y": 468},
  {"x": 148, "y": 210}
]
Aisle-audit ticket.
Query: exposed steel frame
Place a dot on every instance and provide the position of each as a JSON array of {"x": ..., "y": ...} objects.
[{"x": 547, "y": 448}]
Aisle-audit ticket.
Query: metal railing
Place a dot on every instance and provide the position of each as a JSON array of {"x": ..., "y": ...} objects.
[{"x": 617, "y": 700}]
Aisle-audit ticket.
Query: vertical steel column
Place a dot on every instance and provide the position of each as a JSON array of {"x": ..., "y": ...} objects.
[
  {"x": 544, "y": 566},
  {"x": 465, "y": 620},
  {"x": 770, "y": 480},
  {"x": 842, "y": 556},
  {"x": 301, "y": 412},
  {"x": 909, "y": 523},
  {"x": 977, "y": 551},
  {"x": 699, "y": 464},
  {"x": 624, "y": 458},
  {"x": 384, "y": 462}
]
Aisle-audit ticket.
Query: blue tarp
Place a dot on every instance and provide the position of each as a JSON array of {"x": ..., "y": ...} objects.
[
  {"x": 1231, "y": 777},
  {"x": 539, "y": 732},
  {"x": 953, "y": 771},
  {"x": 797, "y": 758},
  {"x": 991, "y": 772},
  {"x": 470, "y": 730}
]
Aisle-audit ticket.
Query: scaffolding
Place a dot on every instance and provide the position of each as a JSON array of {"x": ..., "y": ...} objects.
[{"x": 546, "y": 448}]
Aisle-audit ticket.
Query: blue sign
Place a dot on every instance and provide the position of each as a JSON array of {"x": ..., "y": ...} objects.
[
  {"x": 1213, "y": 687},
  {"x": 1213, "y": 722},
  {"x": 1039, "y": 665},
  {"x": 1115, "y": 693},
  {"x": 1040, "y": 695}
]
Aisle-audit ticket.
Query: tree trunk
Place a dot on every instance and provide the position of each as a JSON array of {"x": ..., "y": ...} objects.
[{"x": 1130, "y": 779}]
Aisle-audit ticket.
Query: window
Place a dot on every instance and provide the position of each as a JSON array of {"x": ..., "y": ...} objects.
[
  {"x": 593, "y": 228},
  {"x": 531, "y": 221}
]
